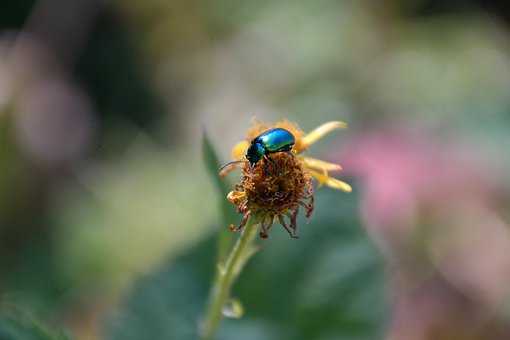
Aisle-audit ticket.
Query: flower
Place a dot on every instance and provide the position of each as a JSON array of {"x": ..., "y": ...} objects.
[{"x": 275, "y": 188}]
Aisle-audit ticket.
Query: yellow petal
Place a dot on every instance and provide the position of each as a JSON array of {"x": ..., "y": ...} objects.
[
  {"x": 320, "y": 132},
  {"x": 239, "y": 150},
  {"x": 323, "y": 166},
  {"x": 330, "y": 181}
]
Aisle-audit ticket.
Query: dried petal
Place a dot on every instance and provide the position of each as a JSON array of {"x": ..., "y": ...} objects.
[{"x": 236, "y": 197}]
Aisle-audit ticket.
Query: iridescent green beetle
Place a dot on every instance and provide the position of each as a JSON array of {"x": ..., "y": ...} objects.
[{"x": 268, "y": 142}]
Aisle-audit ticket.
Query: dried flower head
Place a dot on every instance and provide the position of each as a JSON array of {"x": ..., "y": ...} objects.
[{"x": 280, "y": 183}]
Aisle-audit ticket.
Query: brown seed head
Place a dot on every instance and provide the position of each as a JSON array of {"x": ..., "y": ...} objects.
[{"x": 275, "y": 187}]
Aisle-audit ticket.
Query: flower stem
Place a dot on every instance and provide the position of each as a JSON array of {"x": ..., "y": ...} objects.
[{"x": 225, "y": 277}]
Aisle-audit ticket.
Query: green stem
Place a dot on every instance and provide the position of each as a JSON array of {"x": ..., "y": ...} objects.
[{"x": 225, "y": 277}]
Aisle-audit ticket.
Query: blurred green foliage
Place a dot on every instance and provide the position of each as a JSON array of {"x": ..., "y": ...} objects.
[
  {"x": 228, "y": 213},
  {"x": 76, "y": 236},
  {"x": 24, "y": 328}
]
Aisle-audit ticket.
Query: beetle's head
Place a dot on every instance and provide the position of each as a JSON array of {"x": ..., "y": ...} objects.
[{"x": 255, "y": 152}]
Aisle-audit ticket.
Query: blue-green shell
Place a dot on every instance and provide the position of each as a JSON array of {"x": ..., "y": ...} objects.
[{"x": 276, "y": 140}]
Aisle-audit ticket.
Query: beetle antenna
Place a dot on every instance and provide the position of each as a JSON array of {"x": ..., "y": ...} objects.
[{"x": 230, "y": 163}]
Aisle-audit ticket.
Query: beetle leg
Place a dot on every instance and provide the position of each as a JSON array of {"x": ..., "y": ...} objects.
[{"x": 267, "y": 161}]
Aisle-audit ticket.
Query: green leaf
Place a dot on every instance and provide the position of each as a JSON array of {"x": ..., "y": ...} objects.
[
  {"x": 17, "y": 327},
  {"x": 169, "y": 303},
  {"x": 328, "y": 284},
  {"x": 213, "y": 165},
  {"x": 228, "y": 213}
]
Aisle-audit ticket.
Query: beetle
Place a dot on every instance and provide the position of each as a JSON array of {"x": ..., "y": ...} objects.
[{"x": 268, "y": 142}]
